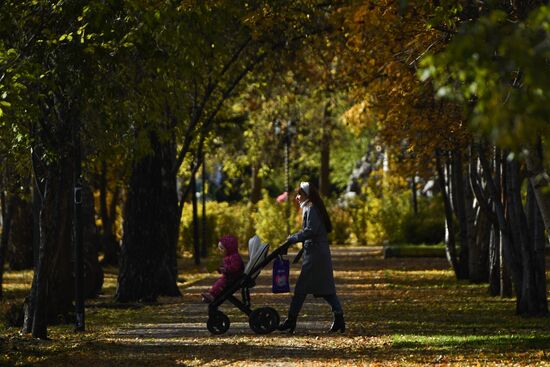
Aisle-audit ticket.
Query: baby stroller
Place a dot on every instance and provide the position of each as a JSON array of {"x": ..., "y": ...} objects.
[{"x": 262, "y": 320}]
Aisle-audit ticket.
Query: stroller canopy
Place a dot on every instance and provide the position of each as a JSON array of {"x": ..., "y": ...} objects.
[{"x": 257, "y": 252}]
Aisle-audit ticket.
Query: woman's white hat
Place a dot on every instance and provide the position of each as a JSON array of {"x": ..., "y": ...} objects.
[{"x": 305, "y": 187}]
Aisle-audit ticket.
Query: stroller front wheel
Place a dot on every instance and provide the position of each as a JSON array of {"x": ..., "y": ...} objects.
[
  {"x": 218, "y": 322},
  {"x": 264, "y": 320}
]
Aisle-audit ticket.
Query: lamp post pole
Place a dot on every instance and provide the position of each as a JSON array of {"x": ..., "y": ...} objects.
[
  {"x": 287, "y": 182},
  {"x": 287, "y": 132},
  {"x": 78, "y": 252}
]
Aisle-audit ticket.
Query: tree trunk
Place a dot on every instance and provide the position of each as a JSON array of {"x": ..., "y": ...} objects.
[
  {"x": 498, "y": 193},
  {"x": 478, "y": 226},
  {"x": 196, "y": 243},
  {"x": 506, "y": 289},
  {"x": 450, "y": 246},
  {"x": 20, "y": 250},
  {"x": 324, "y": 172},
  {"x": 6, "y": 204},
  {"x": 51, "y": 294},
  {"x": 495, "y": 267},
  {"x": 36, "y": 207},
  {"x": 93, "y": 273},
  {"x": 525, "y": 273},
  {"x": 516, "y": 218},
  {"x": 539, "y": 262},
  {"x": 494, "y": 262},
  {"x": 479, "y": 264},
  {"x": 538, "y": 177},
  {"x": 534, "y": 277},
  {"x": 461, "y": 203},
  {"x": 414, "y": 194},
  {"x": 28, "y": 305},
  {"x": 204, "y": 229},
  {"x": 148, "y": 254},
  {"x": 256, "y": 184},
  {"x": 539, "y": 216},
  {"x": 109, "y": 244},
  {"x": 473, "y": 222}
]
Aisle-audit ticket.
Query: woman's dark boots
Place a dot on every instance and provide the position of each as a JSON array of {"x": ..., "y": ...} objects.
[
  {"x": 289, "y": 325},
  {"x": 338, "y": 324}
]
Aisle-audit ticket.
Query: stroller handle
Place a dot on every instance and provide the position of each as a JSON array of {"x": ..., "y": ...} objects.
[{"x": 282, "y": 249}]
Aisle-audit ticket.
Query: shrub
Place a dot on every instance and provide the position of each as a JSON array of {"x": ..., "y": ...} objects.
[
  {"x": 383, "y": 214},
  {"x": 358, "y": 211},
  {"x": 270, "y": 220},
  {"x": 377, "y": 216},
  {"x": 12, "y": 313},
  {"x": 267, "y": 219},
  {"x": 389, "y": 216},
  {"x": 426, "y": 226},
  {"x": 342, "y": 224},
  {"x": 221, "y": 218}
]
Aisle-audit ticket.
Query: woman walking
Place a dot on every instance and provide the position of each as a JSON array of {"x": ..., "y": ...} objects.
[{"x": 316, "y": 276}]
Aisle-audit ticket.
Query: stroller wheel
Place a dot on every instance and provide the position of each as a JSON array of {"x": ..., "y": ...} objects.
[
  {"x": 218, "y": 322},
  {"x": 263, "y": 320}
]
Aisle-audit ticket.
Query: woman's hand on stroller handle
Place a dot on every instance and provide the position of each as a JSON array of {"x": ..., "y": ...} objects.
[{"x": 284, "y": 246}]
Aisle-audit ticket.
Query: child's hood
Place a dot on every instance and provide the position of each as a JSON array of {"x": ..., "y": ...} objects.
[{"x": 230, "y": 243}]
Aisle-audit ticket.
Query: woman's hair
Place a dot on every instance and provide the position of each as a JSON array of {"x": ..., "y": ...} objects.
[{"x": 316, "y": 200}]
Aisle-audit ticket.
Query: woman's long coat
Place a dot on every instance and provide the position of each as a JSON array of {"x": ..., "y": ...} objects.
[{"x": 316, "y": 276}]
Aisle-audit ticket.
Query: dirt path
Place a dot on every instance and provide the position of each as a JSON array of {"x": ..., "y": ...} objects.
[
  {"x": 357, "y": 284},
  {"x": 315, "y": 318},
  {"x": 402, "y": 312},
  {"x": 241, "y": 346}
]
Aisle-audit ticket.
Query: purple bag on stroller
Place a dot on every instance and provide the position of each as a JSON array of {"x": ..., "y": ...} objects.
[{"x": 281, "y": 272}]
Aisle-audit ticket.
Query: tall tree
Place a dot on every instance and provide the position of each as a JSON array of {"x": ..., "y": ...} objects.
[
  {"x": 192, "y": 59},
  {"x": 52, "y": 53},
  {"x": 486, "y": 67},
  {"x": 385, "y": 43}
]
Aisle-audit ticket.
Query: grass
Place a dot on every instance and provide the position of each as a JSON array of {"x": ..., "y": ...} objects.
[
  {"x": 411, "y": 250},
  {"x": 399, "y": 312}
]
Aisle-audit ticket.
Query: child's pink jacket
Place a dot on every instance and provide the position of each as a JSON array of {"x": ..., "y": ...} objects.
[{"x": 232, "y": 263}]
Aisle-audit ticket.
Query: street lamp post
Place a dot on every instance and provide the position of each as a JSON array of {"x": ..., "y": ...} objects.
[
  {"x": 287, "y": 133},
  {"x": 78, "y": 252}
]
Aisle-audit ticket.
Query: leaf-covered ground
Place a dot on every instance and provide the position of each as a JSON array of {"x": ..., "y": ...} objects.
[{"x": 399, "y": 312}]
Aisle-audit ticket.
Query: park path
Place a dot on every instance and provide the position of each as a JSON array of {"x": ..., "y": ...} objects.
[
  {"x": 381, "y": 297},
  {"x": 399, "y": 312},
  {"x": 182, "y": 339},
  {"x": 349, "y": 264}
]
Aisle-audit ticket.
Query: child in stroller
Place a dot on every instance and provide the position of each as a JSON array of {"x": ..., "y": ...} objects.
[
  {"x": 232, "y": 267},
  {"x": 262, "y": 320}
]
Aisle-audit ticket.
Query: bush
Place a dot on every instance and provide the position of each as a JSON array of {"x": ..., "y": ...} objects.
[
  {"x": 342, "y": 225},
  {"x": 426, "y": 226},
  {"x": 377, "y": 216},
  {"x": 270, "y": 220},
  {"x": 12, "y": 313},
  {"x": 243, "y": 220},
  {"x": 390, "y": 215},
  {"x": 221, "y": 219},
  {"x": 383, "y": 215}
]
